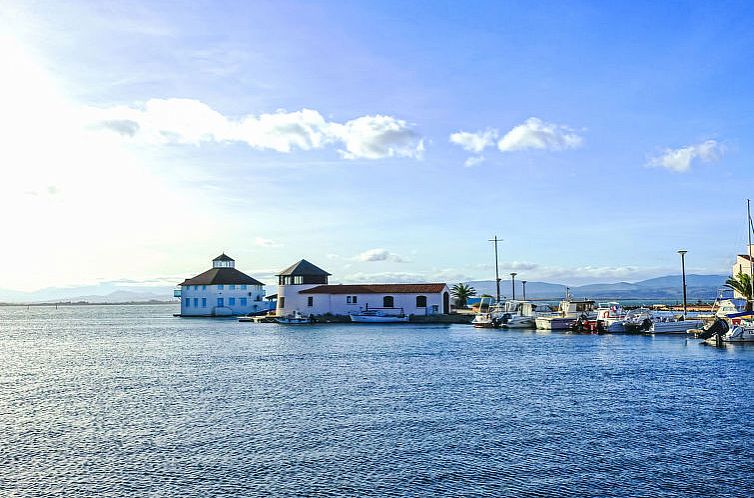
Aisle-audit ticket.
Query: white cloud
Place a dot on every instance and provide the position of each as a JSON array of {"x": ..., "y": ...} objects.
[
  {"x": 474, "y": 142},
  {"x": 537, "y": 134},
  {"x": 188, "y": 121},
  {"x": 680, "y": 159},
  {"x": 262, "y": 242},
  {"x": 379, "y": 254},
  {"x": 473, "y": 161}
]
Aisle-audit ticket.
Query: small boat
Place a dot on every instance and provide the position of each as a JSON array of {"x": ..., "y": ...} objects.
[
  {"x": 381, "y": 315},
  {"x": 569, "y": 311},
  {"x": 294, "y": 318},
  {"x": 483, "y": 319},
  {"x": 522, "y": 314},
  {"x": 646, "y": 321}
]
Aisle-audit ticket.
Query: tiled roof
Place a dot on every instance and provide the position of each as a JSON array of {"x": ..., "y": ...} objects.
[
  {"x": 223, "y": 257},
  {"x": 303, "y": 268},
  {"x": 744, "y": 256},
  {"x": 217, "y": 276},
  {"x": 376, "y": 289}
]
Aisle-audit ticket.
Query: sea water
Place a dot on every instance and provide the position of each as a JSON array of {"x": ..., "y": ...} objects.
[{"x": 131, "y": 401}]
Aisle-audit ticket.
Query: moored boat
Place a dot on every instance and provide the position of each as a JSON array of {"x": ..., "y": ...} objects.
[
  {"x": 295, "y": 318},
  {"x": 569, "y": 311},
  {"x": 381, "y": 315}
]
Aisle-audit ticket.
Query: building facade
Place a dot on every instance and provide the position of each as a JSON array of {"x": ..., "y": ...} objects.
[
  {"x": 221, "y": 291},
  {"x": 303, "y": 287},
  {"x": 742, "y": 265}
]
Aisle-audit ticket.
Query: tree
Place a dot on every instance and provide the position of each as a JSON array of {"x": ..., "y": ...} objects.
[
  {"x": 461, "y": 293},
  {"x": 741, "y": 283}
]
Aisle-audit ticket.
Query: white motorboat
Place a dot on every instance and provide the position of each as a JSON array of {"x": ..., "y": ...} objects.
[
  {"x": 737, "y": 333},
  {"x": 568, "y": 312},
  {"x": 295, "y": 318},
  {"x": 643, "y": 320},
  {"x": 522, "y": 314},
  {"x": 483, "y": 319},
  {"x": 610, "y": 317},
  {"x": 381, "y": 315}
]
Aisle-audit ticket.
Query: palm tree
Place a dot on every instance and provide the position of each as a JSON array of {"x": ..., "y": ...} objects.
[
  {"x": 741, "y": 284},
  {"x": 461, "y": 293}
]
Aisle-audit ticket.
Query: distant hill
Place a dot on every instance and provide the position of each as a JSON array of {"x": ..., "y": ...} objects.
[
  {"x": 703, "y": 287},
  {"x": 103, "y": 293}
]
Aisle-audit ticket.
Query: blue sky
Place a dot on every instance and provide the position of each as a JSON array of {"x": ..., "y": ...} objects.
[{"x": 383, "y": 141}]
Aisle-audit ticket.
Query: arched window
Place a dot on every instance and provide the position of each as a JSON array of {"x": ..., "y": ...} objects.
[
  {"x": 421, "y": 301},
  {"x": 388, "y": 302}
]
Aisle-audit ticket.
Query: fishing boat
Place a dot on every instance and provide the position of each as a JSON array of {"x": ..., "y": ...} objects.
[
  {"x": 569, "y": 311},
  {"x": 295, "y": 318},
  {"x": 609, "y": 319},
  {"x": 380, "y": 315}
]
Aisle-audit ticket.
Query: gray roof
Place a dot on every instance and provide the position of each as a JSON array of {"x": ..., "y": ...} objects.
[
  {"x": 223, "y": 257},
  {"x": 217, "y": 276},
  {"x": 303, "y": 268}
]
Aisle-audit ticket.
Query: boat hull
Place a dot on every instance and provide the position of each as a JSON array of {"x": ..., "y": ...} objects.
[
  {"x": 378, "y": 319},
  {"x": 554, "y": 323},
  {"x": 679, "y": 327}
]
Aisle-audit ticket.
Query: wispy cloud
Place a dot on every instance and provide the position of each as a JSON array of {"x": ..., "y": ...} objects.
[
  {"x": 531, "y": 134},
  {"x": 680, "y": 159},
  {"x": 262, "y": 242},
  {"x": 537, "y": 134},
  {"x": 188, "y": 121},
  {"x": 474, "y": 142},
  {"x": 379, "y": 254}
]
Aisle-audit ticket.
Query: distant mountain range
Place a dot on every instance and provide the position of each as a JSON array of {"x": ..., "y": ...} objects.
[
  {"x": 106, "y": 292},
  {"x": 704, "y": 287}
]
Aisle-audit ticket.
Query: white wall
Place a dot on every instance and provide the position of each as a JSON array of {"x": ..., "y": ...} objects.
[
  {"x": 254, "y": 295},
  {"x": 337, "y": 303}
]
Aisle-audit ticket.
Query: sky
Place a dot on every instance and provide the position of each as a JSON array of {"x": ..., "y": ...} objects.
[{"x": 382, "y": 141}]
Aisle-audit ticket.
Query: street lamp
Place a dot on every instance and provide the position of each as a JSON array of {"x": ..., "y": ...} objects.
[
  {"x": 523, "y": 284},
  {"x": 683, "y": 273},
  {"x": 513, "y": 284}
]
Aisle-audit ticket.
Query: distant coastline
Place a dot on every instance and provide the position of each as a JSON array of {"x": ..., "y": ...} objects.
[{"x": 88, "y": 303}]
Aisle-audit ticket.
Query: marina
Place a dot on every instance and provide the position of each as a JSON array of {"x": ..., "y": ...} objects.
[{"x": 206, "y": 407}]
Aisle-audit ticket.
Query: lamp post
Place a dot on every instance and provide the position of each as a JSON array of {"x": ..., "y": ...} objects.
[
  {"x": 523, "y": 284},
  {"x": 683, "y": 273},
  {"x": 513, "y": 284},
  {"x": 497, "y": 275}
]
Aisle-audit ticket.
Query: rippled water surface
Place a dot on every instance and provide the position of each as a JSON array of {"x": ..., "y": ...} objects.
[{"x": 130, "y": 401}]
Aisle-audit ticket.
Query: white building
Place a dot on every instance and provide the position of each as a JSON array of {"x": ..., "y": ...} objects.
[
  {"x": 221, "y": 291},
  {"x": 304, "y": 287},
  {"x": 742, "y": 265}
]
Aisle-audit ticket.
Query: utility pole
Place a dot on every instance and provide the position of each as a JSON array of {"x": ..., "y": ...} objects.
[
  {"x": 683, "y": 273},
  {"x": 523, "y": 284},
  {"x": 513, "y": 284},
  {"x": 497, "y": 271}
]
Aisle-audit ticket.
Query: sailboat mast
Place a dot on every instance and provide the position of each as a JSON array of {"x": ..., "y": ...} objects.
[
  {"x": 497, "y": 271},
  {"x": 751, "y": 263}
]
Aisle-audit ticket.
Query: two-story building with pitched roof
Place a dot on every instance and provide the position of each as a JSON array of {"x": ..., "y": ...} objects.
[
  {"x": 304, "y": 287},
  {"x": 221, "y": 291}
]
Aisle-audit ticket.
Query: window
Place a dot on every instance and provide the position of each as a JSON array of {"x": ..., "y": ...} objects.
[
  {"x": 243, "y": 286},
  {"x": 231, "y": 301},
  {"x": 298, "y": 279},
  {"x": 388, "y": 302},
  {"x": 204, "y": 302},
  {"x": 232, "y": 287},
  {"x": 187, "y": 302},
  {"x": 351, "y": 299},
  {"x": 354, "y": 300},
  {"x": 282, "y": 302},
  {"x": 204, "y": 287},
  {"x": 258, "y": 298},
  {"x": 196, "y": 287},
  {"x": 421, "y": 301},
  {"x": 310, "y": 301},
  {"x": 196, "y": 302},
  {"x": 220, "y": 287},
  {"x": 348, "y": 300},
  {"x": 220, "y": 302},
  {"x": 243, "y": 301}
]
